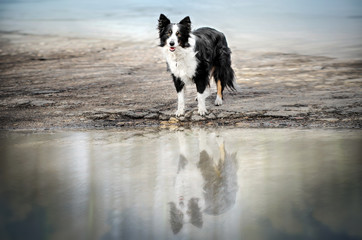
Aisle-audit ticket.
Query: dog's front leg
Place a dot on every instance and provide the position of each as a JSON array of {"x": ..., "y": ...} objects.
[
  {"x": 180, "y": 88},
  {"x": 180, "y": 103},
  {"x": 201, "y": 98},
  {"x": 202, "y": 94}
]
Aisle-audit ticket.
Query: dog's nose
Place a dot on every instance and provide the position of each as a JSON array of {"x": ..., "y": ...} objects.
[{"x": 172, "y": 43}]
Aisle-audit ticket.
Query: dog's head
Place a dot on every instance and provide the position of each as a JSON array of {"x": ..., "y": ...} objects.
[{"x": 174, "y": 35}]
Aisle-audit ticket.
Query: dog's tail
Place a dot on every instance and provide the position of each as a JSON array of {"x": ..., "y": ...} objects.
[{"x": 223, "y": 70}]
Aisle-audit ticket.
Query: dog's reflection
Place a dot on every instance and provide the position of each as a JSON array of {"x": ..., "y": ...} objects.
[{"x": 204, "y": 184}]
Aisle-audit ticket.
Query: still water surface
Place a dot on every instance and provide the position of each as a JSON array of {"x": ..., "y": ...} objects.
[
  {"x": 192, "y": 184},
  {"x": 315, "y": 27}
]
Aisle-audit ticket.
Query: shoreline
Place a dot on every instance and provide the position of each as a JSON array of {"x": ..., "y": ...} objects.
[{"x": 51, "y": 82}]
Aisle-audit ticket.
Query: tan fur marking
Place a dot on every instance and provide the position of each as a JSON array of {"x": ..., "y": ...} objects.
[{"x": 219, "y": 93}]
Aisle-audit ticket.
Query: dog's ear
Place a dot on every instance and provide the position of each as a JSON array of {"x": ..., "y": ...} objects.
[
  {"x": 163, "y": 21},
  {"x": 186, "y": 22}
]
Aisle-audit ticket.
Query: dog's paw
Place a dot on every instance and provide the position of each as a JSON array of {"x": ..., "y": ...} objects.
[
  {"x": 180, "y": 112},
  {"x": 218, "y": 101},
  {"x": 202, "y": 112}
]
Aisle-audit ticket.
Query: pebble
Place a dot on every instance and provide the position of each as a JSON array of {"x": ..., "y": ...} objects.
[
  {"x": 211, "y": 116},
  {"x": 296, "y": 118},
  {"x": 151, "y": 116},
  {"x": 21, "y": 102},
  {"x": 281, "y": 113},
  {"x": 197, "y": 117},
  {"x": 173, "y": 120},
  {"x": 224, "y": 115},
  {"x": 163, "y": 117},
  {"x": 136, "y": 114},
  {"x": 329, "y": 119},
  {"x": 42, "y": 103}
]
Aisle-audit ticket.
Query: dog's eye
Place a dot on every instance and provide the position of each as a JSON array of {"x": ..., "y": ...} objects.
[
  {"x": 178, "y": 34},
  {"x": 169, "y": 33}
]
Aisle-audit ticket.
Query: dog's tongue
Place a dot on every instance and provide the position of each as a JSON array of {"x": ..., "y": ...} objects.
[{"x": 172, "y": 49}]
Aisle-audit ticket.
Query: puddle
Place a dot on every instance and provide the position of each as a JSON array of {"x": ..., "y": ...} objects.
[{"x": 192, "y": 184}]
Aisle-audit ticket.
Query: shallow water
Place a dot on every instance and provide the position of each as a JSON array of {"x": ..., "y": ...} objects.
[
  {"x": 192, "y": 184},
  {"x": 315, "y": 27}
]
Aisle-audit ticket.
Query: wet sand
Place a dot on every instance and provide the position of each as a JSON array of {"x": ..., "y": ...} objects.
[{"x": 50, "y": 82}]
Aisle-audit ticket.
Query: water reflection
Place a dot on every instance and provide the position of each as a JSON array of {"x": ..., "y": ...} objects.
[
  {"x": 203, "y": 185},
  {"x": 195, "y": 184}
]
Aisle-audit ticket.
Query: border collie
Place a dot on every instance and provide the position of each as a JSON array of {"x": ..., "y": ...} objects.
[{"x": 195, "y": 57}]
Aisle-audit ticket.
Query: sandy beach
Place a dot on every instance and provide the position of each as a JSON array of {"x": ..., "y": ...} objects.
[
  {"x": 90, "y": 146},
  {"x": 53, "y": 82}
]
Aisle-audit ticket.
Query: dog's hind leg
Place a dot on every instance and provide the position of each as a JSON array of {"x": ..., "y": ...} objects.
[
  {"x": 218, "y": 100},
  {"x": 202, "y": 93}
]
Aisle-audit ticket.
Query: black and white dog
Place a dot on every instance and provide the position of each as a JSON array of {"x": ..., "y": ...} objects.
[{"x": 195, "y": 57}]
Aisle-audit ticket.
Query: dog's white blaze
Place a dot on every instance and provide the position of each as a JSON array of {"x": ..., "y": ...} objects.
[
  {"x": 182, "y": 62},
  {"x": 173, "y": 36}
]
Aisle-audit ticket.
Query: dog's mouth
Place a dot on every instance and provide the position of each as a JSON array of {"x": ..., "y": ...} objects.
[{"x": 172, "y": 49}]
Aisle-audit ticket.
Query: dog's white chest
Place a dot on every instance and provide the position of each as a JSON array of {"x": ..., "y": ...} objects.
[{"x": 182, "y": 63}]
